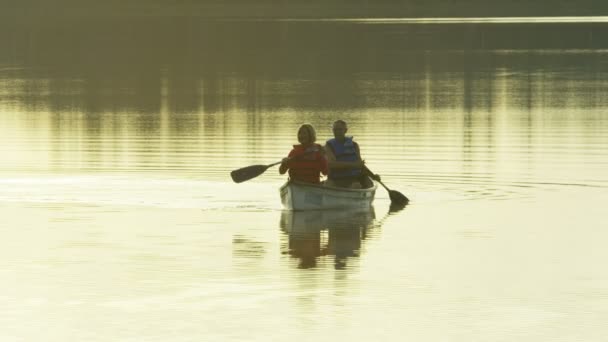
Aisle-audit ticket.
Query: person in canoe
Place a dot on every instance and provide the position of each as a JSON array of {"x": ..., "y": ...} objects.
[
  {"x": 346, "y": 168},
  {"x": 306, "y": 161}
]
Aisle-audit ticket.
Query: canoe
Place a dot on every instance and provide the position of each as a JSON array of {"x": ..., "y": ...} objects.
[{"x": 306, "y": 196}]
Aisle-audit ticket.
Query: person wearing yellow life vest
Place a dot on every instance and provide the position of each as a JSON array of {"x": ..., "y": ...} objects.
[
  {"x": 306, "y": 161},
  {"x": 346, "y": 168}
]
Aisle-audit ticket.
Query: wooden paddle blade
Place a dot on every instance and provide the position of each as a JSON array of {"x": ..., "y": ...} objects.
[
  {"x": 248, "y": 172},
  {"x": 397, "y": 197}
]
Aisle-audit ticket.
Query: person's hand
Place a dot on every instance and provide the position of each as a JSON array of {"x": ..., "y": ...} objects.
[
  {"x": 376, "y": 177},
  {"x": 284, "y": 161}
]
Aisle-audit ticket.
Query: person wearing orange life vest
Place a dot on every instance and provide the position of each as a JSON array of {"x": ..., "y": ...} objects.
[
  {"x": 346, "y": 168},
  {"x": 306, "y": 161}
]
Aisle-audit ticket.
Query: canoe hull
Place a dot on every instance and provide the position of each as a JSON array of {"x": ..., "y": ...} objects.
[{"x": 303, "y": 196}]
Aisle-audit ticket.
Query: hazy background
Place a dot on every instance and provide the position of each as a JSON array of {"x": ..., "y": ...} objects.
[{"x": 120, "y": 123}]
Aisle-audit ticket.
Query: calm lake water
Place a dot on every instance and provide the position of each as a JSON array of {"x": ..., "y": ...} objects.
[{"x": 120, "y": 221}]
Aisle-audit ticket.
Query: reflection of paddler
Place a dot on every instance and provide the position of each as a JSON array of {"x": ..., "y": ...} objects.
[
  {"x": 345, "y": 234},
  {"x": 304, "y": 234},
  {"x": 345, "y": 229}
]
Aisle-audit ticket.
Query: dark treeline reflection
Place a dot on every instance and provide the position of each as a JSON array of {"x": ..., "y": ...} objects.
[{"x": 184, "y": 65}]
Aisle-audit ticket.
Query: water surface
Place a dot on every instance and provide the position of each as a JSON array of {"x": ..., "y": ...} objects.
[{"x": 121, "y": 223}]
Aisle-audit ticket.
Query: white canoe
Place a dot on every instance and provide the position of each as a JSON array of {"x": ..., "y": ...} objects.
[{"x": 306, "y": 196}]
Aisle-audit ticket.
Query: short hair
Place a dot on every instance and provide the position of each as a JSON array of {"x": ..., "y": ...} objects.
[
  {"x": 339, "y": 122},
  {"x": 311, "y": 131}
]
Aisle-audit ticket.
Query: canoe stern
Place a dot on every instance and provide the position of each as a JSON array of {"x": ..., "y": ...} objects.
[{"x": 303, "y": 196}]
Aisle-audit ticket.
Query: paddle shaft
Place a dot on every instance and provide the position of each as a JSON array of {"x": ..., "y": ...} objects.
[
  {"x": 279, "y": 162},
  {"x": 395, "y": 196},
  {"x": 370, "y": 173},
  {"x": 384, "y": 186}
]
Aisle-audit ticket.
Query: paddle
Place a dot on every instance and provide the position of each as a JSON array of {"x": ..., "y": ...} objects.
[
  {"x": 248, "y": 172},
  {"x": 397, "y": 198}
]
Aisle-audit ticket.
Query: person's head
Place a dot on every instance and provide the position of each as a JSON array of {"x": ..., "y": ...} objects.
[
  {"x": 307, "y": 134},
  {"x": 339, "y": 128}
]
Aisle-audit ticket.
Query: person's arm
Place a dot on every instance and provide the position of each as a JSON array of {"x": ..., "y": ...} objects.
[
  {"x": 365, "y": 169},
  {"x": 332, "y": 163},
  {"x": 283, "y": 168},
  {"x": 285, "y": 163},
  {"x": 323, "y": 164},
  {"x": 358, "y": 150}
]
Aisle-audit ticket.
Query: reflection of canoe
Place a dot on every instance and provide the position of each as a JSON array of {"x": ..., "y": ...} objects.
[
  {"x": 307, "y": 222},
  {"x": 305, "y": 196},
  {"x": 314, "y": 234}
]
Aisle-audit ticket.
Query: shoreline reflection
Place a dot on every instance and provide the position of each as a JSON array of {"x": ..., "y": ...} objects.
[{"x": 314, "y": 235}]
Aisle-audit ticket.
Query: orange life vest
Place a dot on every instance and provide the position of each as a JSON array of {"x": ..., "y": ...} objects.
[{"x": 308, "y": 163}]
